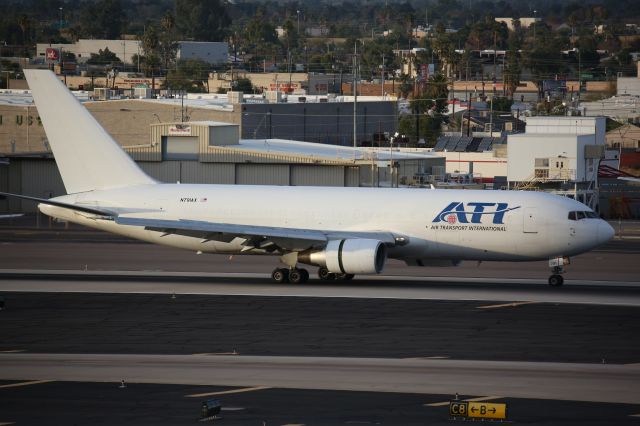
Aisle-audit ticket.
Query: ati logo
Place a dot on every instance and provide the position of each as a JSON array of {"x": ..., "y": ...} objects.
[{"x": 458, "y": 212}]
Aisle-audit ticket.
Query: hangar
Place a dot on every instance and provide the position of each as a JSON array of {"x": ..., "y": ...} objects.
[{"x": 212, "y": 152}]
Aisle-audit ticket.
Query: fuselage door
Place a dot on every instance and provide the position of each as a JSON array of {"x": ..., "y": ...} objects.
[{"x": 530, "y": 222}]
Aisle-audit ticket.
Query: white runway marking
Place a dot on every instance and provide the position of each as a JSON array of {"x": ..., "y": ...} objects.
[
  {"x": 536, "y": 380},
  {"x": 31, "y": 382},
  {"x": 409, "y": 288},
  {"x": 478, "y": 399},
  {"x": 228, "y": 392},
  {"x": 504, "y": 305}
]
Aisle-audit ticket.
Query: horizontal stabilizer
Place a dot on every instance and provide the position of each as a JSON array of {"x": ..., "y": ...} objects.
[{"x": 60, "y": 204}]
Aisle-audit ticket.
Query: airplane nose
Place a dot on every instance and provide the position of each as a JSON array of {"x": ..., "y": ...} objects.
[{"x": 605, "y": 232}]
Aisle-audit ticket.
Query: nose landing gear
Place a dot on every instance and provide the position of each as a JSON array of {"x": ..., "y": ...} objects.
[
  {"x": 557, "y": 268},
  {"x": 556, "y": 280}
]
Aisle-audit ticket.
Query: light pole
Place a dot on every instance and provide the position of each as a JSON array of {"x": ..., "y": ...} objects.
[
  {"x": 60, "y": 24},
  {"x": 393, "y": 138},
  {"x": 298, "y": 13},
  {"x": 534, "y": 25},
  {"x": 382, "y": 78}
]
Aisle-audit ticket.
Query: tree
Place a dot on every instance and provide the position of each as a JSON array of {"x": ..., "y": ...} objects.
[
  {"x": 512, "y": 69},
  {"x": 150, "y": 42},
  {"x": 190, "y": 75},
  {"x": 159, "y": 46},
  {"x": 203, "y": 20},
  {"x": 102, "y": 19},
  {"x": 167, "y": 41},
  {"x": 104, "y": 57},
  {"x": 243, "y": 85},
  {"x": 501, "y": 104},
  {"x": 429, "y": 108},
  {"x": 543, "y": 57},
  {"x": 25, "y": 26}
]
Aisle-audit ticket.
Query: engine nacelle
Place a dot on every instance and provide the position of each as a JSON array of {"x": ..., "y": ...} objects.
[{"x": 352, "y": 256}]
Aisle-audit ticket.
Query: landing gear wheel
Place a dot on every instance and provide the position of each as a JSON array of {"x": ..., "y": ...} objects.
[
  {"x": 556, "y": 280},
  {"x": 344, "y": 277},
  {"x": 324, "y": 274},
  {"x": 280, "y": 275},
  {"x": 297, "y": 276}
]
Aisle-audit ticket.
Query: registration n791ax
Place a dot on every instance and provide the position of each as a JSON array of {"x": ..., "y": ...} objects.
[{"x": 343, "y": 231}]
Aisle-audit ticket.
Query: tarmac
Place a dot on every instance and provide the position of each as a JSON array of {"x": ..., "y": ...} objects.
[{"x": 84, "y": 311}]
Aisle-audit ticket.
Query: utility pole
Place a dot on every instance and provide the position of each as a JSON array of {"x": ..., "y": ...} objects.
[
  {"x": 534, "y": 26},
  {"x": 495, "y": 54},
  {"x": 382, "y": 78},
  {"x": 491, "y": 118},
  {"x": 355, "y": 97}
]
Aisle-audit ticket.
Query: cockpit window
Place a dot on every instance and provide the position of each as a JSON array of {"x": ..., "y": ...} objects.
[{"x": 577, "y": 215}]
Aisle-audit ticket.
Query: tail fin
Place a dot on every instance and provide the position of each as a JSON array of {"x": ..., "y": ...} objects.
[{"x": 87, "y": 156}]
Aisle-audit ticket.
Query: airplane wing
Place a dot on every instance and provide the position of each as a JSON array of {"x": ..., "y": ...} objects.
[
  {"x": 268, "y": 238},
  {"x": 264, "y": 237}
]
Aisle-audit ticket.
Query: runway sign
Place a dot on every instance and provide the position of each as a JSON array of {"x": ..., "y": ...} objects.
[
  {"x": 458, "y": 408},
  {"x": 478, "y": 410}
]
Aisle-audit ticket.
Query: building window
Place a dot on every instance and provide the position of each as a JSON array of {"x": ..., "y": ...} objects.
[{"x": 541, "y": 173}]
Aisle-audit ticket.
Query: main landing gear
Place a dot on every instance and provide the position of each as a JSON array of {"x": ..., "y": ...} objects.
[
  {"x": 299, "y": 275},
  {"x": 557, "y": 268},
  {"x": 325, "y": 275},
  {"x": 293, "y": 275}
]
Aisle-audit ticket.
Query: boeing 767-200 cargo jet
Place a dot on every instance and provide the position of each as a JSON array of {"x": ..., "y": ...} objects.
[{"x": 343, "y": 231}]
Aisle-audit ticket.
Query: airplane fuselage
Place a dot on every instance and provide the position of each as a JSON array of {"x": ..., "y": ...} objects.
[{"x": 439, "y": 224}]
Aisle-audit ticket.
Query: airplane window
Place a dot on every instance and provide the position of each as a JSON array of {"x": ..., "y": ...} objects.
[{"x": 583, "y": 215}]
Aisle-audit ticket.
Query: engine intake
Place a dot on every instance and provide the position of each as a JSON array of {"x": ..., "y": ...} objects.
[{"x": 352, "y": 256}]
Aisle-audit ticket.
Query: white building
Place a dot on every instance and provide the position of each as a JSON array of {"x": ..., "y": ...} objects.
[
  {"x": 629, "y": 85},
  {"x": 211, "y": 52},
  {"x": 558, "y": 149}
]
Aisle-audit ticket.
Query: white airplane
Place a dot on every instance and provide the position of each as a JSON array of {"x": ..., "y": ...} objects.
[{"x": 343, "y": 231}]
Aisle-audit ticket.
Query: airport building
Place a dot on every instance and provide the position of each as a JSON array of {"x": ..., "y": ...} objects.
[
  {"x": 322, "y": 119},
  {"x": 201, "y": 150},
  {"x": 126, "y": 49}
]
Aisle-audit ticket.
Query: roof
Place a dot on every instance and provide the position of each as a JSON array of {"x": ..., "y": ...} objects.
[
  {"x": 213, "y": 101},
  {"x": 23, "y": 97},
  {"x": 325, "y": 151},
  {"x": 467, "y": 143},
  {"x": 207, "y": 123}
]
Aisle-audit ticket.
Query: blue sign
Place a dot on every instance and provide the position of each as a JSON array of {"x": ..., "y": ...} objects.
[{"x": 458, "y": 212}]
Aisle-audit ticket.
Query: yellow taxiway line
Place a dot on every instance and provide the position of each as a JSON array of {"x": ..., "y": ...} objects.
[{"x": 504, "y": 305}]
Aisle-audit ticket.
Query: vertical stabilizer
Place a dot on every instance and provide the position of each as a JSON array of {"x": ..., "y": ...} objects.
[{"x": 87, "y": 156}]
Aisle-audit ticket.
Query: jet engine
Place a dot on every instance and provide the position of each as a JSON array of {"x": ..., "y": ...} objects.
[{"x": 352, "y": 256}]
